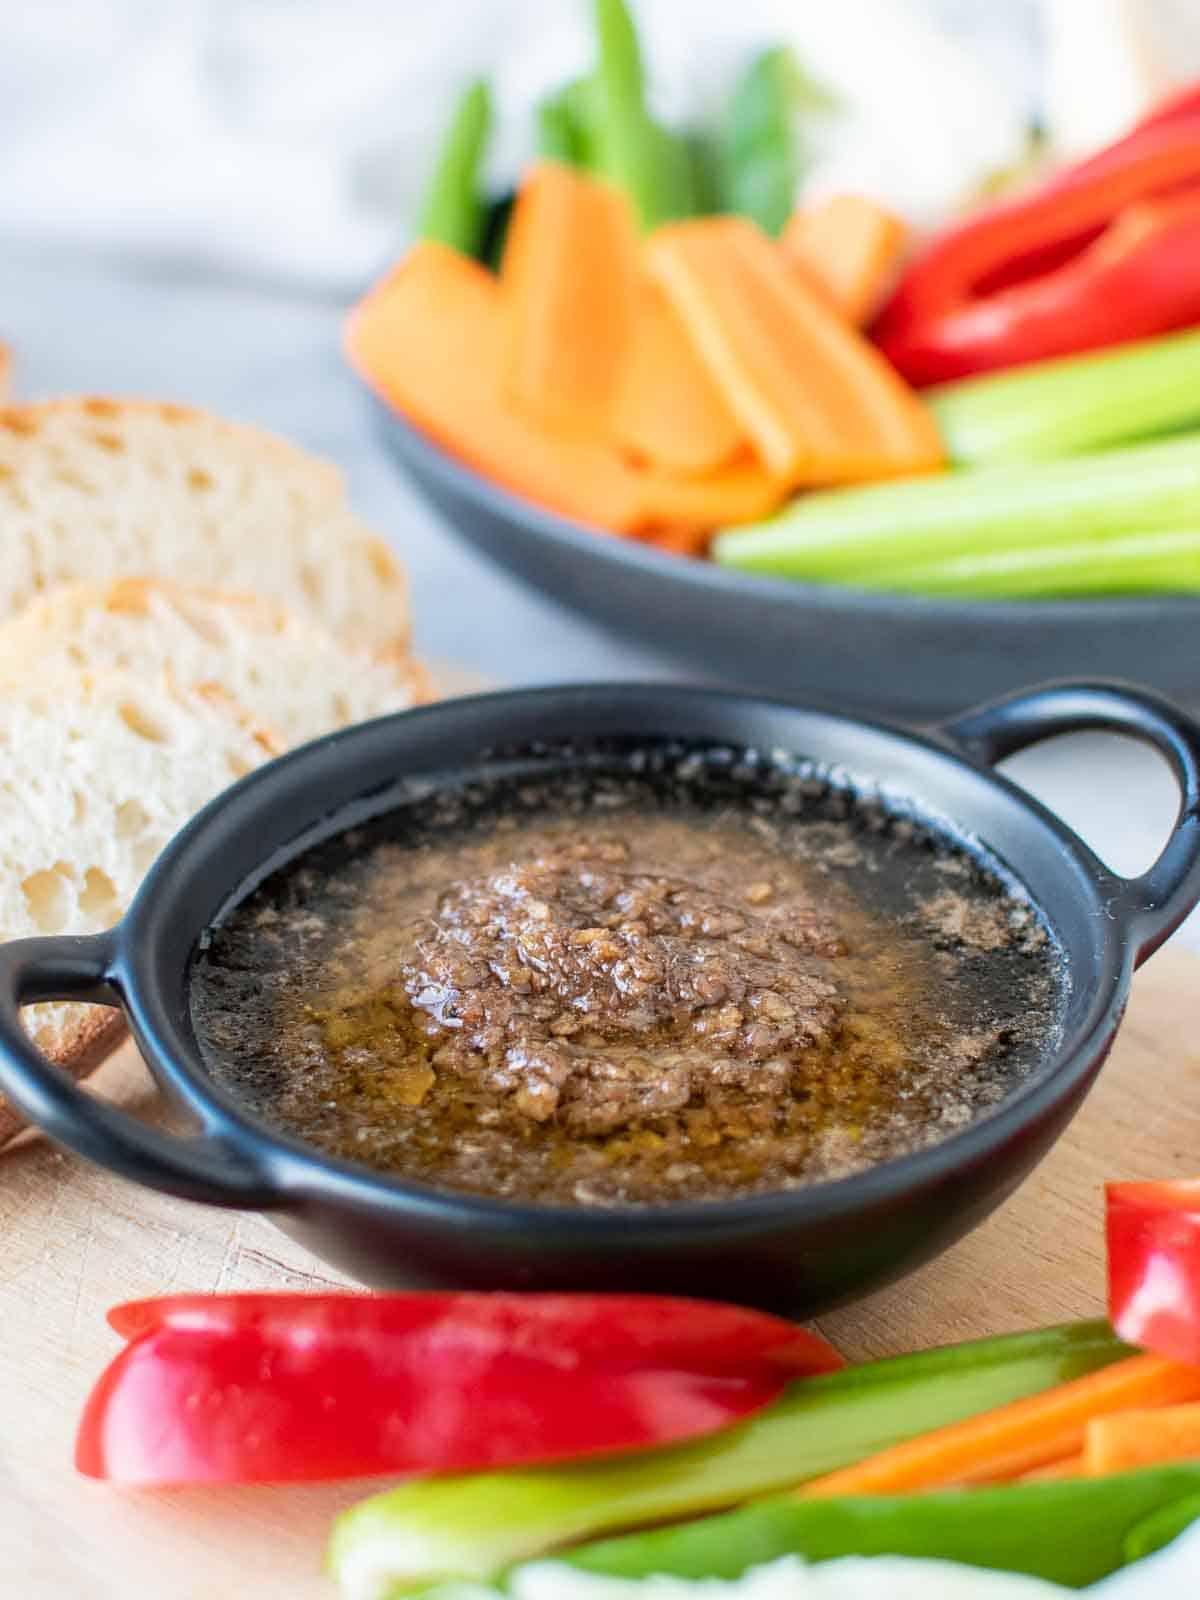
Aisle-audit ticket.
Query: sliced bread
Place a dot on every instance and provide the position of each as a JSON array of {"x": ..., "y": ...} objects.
[
  {"x": 93, "y": 489},
  {"x": 97, "y": 772},
  {"x": 287, "y": 671}
]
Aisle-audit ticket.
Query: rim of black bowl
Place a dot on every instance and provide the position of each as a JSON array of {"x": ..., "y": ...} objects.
[
  {"x": 1056, "y": 1076},
  {"x": 708, "y": 576}
]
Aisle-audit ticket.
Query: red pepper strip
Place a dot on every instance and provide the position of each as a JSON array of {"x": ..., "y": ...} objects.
[
  {"x": 281, "y": 1387},
  {"x": 1178, "y": 112},
  {"x": 1139, "y": 278},
  {"x": 1154, "y": 1266},
  {"x": 1182, "y": 106},
  {"x": 974, "y": 265},
  {"x": 1075, "y": 203},
  {"x": 1147, "y": 139}
]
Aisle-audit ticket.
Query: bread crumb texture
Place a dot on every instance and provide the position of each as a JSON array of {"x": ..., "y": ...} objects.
[
  {"x": 290, "y": 672},
  {"x": 95, "y": 489},
  {"x": 97, "y": 772}
]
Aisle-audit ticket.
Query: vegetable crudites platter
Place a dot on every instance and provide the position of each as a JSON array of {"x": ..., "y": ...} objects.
[
  {"x": 797, "y": 414},
  {"x": 664, "y": 348},
  {"x": 615, "y": 1141}
]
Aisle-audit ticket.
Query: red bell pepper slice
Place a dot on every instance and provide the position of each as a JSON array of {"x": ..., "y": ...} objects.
[
  {"x": 257, "y": 1388},
  {"x": 1181, "y": 106},
  {"x": 1178, "y": 115},
  {"x": 1089, "y": 272},
  {"x": 1154, "y": 1266},
  {"x": 1140, "y": 277}
]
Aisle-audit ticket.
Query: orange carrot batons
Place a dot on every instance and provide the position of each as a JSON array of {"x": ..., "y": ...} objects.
[
  {"x": 850, "y": 247},
  {"x": 431, "y": 340},
  {"x": 669, "y": 413},
  {"x": 571, "y": 281},
  {"x": 740, "y": 492},
  {"x": 1054, "y": 1471},
  {"x": 1132, "y": 1439},
  {"x": 679, "y": 541},
  {"x": 1015, "y": 1439},
  {"x": 819, "y": 404}
]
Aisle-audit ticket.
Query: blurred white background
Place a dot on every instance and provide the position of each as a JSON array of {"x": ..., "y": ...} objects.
[{"x": 288, "y": 138}]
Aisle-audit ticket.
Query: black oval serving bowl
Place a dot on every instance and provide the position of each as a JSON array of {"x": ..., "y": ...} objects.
[
  {"x": 773, "y": 634},
  {"x": 804, "y": 1249}
]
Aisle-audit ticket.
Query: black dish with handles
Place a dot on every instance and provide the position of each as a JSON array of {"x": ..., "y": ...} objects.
[
  {"x": 804, "y": 1249},
  {"x": 772, "y": 634}
]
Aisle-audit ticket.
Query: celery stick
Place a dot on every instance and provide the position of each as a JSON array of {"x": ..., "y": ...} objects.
[
  {"x": 455, "y": 210},
  {"x": 565, "y": 124},
  {"x": 582, "y": 96},
  {"x": 857, "y": 535},
  {"x": 761, "y": 161},
  {"x": 626, "y": 132},
  {"x": 650, "y": 163},
  {"x": 679, "y": 194},
  {"x": 705, "y": 156},
  {"x": 556, "y": 132},
  {"x": 441, "y": 1529},
  {"x": 1139, "y": 563},
  {"x": 760, "y": 148},
  {"x": 1064, "y": 407}
]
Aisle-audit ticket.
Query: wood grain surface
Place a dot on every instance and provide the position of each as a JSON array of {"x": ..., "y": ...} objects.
[{"x": 76, "y": 1240}]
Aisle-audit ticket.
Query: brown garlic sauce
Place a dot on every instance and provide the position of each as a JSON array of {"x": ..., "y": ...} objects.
[{"x": 673, "y": 975}]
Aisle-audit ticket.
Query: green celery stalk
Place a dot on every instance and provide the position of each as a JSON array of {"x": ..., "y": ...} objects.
[
  {"x": 677, "y": 167},
  {"x": 1138, "y": 563},
  {"x": 473, "y": 1527},
  {"x": 760, "y": 156},
  {"x": 455, "y": 210},
  {"x": 651, "y": 164},
  {"x": 625, "y": 127},
  {"x": 565, "y": 124},
  {"x": 582, "y": 96},
  {"x": 858, "y": 535},
  {"x": 556, "y": 131},
  {"x": 1072, "y": 1532},
  {"x": 1077, "y": 403},
  {"x": 707, "y": 175}
]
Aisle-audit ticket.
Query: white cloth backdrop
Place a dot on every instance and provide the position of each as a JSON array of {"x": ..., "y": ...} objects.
[{"x": 288, "y": 138}]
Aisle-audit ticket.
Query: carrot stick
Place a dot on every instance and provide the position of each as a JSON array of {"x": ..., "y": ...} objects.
[
  {"x": 571, "y": 279},
  {"x": 850, "y": 247},
  {"x": 1141, "y": 1439},
  {"x": 430, "y": 340},
  {"x": 1068, "y": 1467},
  {"x": 668, "y": 411},
  {"x": 679, "y": 541},
  {"x": 819, "y": 404},
  {"x": 1016, "y": 1438},
  {"x": 740, "y": 492}
]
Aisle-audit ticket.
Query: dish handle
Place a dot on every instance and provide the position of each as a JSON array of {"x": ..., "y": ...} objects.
[
  {"x": 1158, "y": 900},
  {"x": 200, "y": 1167}
]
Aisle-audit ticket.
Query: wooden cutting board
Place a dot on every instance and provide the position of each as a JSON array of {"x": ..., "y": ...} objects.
[{"x": 75, "y": 1240}]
